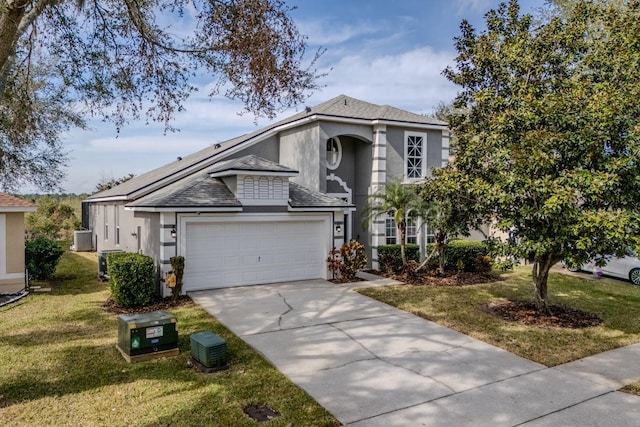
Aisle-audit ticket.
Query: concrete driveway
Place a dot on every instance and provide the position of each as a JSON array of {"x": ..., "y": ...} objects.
[{"x": 370, "y": 364}]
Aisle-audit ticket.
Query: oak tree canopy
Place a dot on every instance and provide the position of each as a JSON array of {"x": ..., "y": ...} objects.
[{"x": 65, "y": 61}]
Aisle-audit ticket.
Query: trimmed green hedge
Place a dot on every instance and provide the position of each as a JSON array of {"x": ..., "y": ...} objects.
[
  {"x": 464, "y": 255},
  {"x": 390, "y": 258},
  {"x": 41, "y": 257},
  {"x": 132, "y": 279}
]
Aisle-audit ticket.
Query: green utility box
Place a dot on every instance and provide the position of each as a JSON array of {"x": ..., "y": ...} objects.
[
  {"x": 147, "y": 333},
  {"x": 209, "y": 351}
]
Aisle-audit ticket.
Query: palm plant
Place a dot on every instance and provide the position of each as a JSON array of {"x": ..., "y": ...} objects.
[{"x": 398, "y": 200}]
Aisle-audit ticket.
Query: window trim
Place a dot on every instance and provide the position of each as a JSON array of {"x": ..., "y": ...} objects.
[
  {"x": 116, "y": 214},
  {"x": 339, "y": 153},
  {"x": 390, "y": 239},
  {"x": 412, "y": 224},
  {"x": 105, "y": 213},
  {"x": 423, "y": 171}
]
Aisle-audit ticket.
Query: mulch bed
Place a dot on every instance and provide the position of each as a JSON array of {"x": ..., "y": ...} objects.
[
  {"x": 343, "y": 280},
  {"x": 435, "y": 279},
  {"x": 525, "y": 312},
  {"x": 164, "y": 304}
]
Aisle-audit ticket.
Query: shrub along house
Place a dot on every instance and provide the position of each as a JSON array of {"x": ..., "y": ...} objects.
[
  {"x": 268, "y": 206},
  {"x": 12, "y": 261}
]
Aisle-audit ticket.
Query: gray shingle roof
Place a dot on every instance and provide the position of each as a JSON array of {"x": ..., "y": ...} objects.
[
  {"x": 192, "y": 192},
  {"x": 302, "y": 197},
  {"x": 202, "y": 191},
  {"x": 347, "y": 107},
  {"x": 250, "y": 163},
  {"x": 341, "y": 106}
]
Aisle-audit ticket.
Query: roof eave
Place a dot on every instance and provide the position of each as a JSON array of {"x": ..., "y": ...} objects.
[
  {"x": 319, "y": 209},
  {"x": 232, "y": 172},
  {"x": 354, "y": 120},
  {"x": 18, "y": 209},
  {"x": 107, "y": 199},
  {"x": 183, "y": 209}
]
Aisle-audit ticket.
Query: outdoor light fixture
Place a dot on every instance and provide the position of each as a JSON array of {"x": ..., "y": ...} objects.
[
  {"x": 173, "y": 232},
  {"x": 338, "y": 228}
]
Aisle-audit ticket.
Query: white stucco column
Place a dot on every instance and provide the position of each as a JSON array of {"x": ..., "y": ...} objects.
[
  {"x": 378, "y": 181},
  {"x": 168, "y": 246}
]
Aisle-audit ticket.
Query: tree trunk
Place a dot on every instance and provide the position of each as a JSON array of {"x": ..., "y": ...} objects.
[
  {"x": 427, "y": 259},
  {"x": 402, "y": 231},
  {"x": 441, "y": 246},
  {"x": 541, "y": 267}
]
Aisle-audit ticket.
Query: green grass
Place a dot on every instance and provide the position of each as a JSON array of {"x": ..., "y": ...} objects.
[
  {"x": 59, "y": 367},
  {"x": 459, "y": 308}
]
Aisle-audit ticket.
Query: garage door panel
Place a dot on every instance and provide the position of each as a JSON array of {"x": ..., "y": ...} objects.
[{"x": 222, "y": 254}]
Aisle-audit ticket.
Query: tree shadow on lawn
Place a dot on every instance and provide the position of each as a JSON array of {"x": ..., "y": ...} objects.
[
  {"x": 617, "y": 304},
  {"x": 79, "y": 367},
  {"x": 85, "y": 367}
]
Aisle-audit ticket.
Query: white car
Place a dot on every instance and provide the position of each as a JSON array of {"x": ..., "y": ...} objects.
[{"x": 626, "y": 267}]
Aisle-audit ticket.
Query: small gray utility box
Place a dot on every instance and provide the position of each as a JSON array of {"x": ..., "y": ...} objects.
[{"x": 209, "y": 351}]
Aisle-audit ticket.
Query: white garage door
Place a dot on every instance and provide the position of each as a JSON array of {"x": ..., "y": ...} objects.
[{"x": 224, "y": 254}]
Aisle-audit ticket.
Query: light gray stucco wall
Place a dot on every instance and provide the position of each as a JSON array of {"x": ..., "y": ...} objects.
[
  {"x": 363, "y": 154},
  {"x": 395, "y": 150},
  {"x": 129, "y": 221},
  {"x": 434, "y": 150},
  {"x": 349, "y": 135},
  {"x": 395, "y": 153},
  {"x": 149, "y": 223},
  {"x": 268, "y": 149},
  {"x": 300, "y": 149}
]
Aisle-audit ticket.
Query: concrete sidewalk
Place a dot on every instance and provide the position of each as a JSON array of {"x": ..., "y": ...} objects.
[{"x": 370, "y": 364}]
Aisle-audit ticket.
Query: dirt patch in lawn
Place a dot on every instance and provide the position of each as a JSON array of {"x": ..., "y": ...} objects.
[
  {"x": 526, "y": 313},
  {"x": 435, "y": 279},
  {"x": 164, "y": 304}
]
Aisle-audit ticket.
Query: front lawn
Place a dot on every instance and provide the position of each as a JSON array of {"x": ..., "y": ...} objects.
[
  {"x": 59, "y": 367},
  {"x": 460, "y": 308}
]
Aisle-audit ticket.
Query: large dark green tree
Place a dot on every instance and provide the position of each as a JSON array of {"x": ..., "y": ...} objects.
[
  {"x": 548, "y": 128},
  {"x": 63, "y": 61}
]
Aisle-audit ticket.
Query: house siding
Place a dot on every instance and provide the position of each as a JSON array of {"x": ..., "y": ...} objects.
[
  {"x": 12, "y": 265},
  {"x": 434, "y": 150},
  {"x": 130, "y": 222},
  {"x": 268, "y": 149},
  {"x": 15, "y": 242},
  {"x": 395, "y": 150},
  {"x": 395, "y": 153},
  {"x": 300, "y": 149}
]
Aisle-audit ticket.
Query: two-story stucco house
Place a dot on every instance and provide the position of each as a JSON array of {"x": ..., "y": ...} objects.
[{"x": 269, "y": 205}]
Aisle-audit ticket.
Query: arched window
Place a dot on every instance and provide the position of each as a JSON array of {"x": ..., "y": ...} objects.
[{"x": 334, "y": 152}]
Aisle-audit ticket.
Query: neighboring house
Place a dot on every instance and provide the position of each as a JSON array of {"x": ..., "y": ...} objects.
[
  {"x": 12, "y": 265},
  {"x": 269, "y": 205}
]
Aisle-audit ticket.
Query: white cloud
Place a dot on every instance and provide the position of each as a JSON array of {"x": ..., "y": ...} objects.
[
  {"x": 147, "y": 144},
  {"x": 326, "y": 32},
  {"x": 463, "y": 6},
  {"x": 411, "y": 80}
]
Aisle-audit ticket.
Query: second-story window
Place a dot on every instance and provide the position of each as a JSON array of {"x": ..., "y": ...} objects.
[
  {"x": 334, "y": 152},
  {"x": 415, "y": 155}
]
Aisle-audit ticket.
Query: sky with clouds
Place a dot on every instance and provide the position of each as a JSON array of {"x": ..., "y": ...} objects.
[{"x": 380, "y": 51}]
